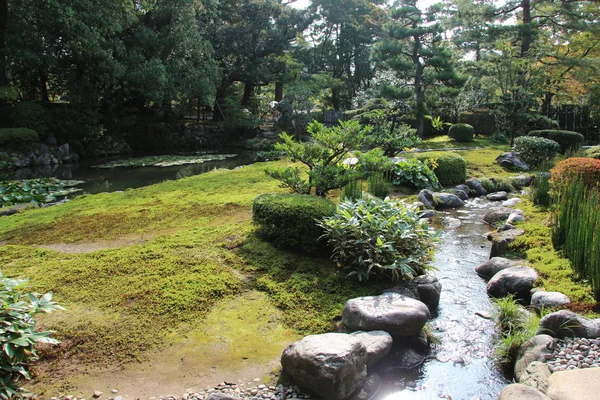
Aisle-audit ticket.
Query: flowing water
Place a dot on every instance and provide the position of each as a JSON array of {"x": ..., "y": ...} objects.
[
  {"x": 98, "y": 180},
  {"x": 461, "y": 365}
]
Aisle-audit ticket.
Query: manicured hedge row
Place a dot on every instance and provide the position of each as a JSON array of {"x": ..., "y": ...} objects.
[
  {"x": 566, "y": 139},
  {"x": 451, "y": 167},
  {"x": 289, "y": 220},
  {"x": 535, "y": 150},
  {"x": 18, "y": 137}
]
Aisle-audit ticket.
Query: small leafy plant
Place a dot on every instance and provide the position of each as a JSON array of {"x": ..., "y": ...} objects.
[
  {"x": 17, "y": 333},
  {"x": 416, "y": 173},
  {"x": 536, "y": 150},
  {"x": 379, "y": 238}
]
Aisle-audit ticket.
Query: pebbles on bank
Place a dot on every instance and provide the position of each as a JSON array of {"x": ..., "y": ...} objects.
[{"x": 574, "y": 353}]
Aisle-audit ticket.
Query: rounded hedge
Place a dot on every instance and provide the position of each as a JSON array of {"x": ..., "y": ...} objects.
[
  {"x": 593, "y": 152},
  {"x": 535, "y": 150},
  {"x": 451, "y": 167},
  {"x": 588, "y": 169},
  {"x": 290, "y": 220},
  {"x": 482, "y": 120},
  {"x": 18, "y": 138},
  {"x": 566, "y": 139},
  {"x": 461, "y": 132}
]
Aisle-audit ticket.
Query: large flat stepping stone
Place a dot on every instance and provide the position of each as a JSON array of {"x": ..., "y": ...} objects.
[
  {"x": 425, "y": 288},
  {"x": 394, "y": 313},
  {"x": 494, "y": 265},
  {"x": 565, "y": 323},
  {"x": 377, "y": 343},
  {"x": 331, "y": 365},
  {"x": 517, "y": 281},
  {"x": 518, "y": 391},
  {"x": 577, "y": 384}
]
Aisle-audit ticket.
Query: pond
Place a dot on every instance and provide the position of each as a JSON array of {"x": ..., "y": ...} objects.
[
  {"x": 461, "y": 366},
  {"x": 112, "y": 179}
]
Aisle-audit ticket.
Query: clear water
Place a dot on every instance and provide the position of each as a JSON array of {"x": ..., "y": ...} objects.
[
  {"x": 461, "y": 365},
  {"x": 98, "y": 180}
]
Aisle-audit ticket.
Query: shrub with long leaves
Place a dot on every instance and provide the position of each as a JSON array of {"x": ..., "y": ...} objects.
[
  {"x": 415, "y": 173},
  {"x": 17, "y": 333},
  {"x": 380, "y": 238}
]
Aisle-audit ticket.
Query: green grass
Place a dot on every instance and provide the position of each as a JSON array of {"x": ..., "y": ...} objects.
[{"x": 444, "y": 142}]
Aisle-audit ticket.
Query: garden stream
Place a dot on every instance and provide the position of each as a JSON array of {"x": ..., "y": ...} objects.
[{"x": 461, "y": 365}]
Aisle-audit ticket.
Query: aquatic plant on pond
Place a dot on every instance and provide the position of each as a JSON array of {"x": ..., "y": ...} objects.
[
  {"x": 379, "y": 238},
  {"x": 165, "y": 161},
  {"x": 39, "y": 191}
]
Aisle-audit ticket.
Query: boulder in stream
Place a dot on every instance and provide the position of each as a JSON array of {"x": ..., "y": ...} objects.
[
  {"x": 501, "y": 241},
  {"x": 542, "y": 300},
  {"x": 565, "y": 323},
  {"x": 497, "y": 196},
  {"x": 447, "y": 200},
  {"x": 499, "y": 215},
  {"x": 517, "y": 281},
  {"x": 461, "y": 194},
  {"x": 426, "y": 197},
  {"x": 494, "y": 265},
  {"x": 518, "y": 391},
  {"x": 538, "y": 348},
  {"x": 394, "y": 313},
  {"x": 425, "y": 288},
  {"x": 332, "y": 365},
  {"x": 377, "y": 343},
  {"x": 476, "y": 189}
]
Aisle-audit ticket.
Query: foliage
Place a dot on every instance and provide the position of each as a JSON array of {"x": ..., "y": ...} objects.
[
  {"x": 593, "y": 152},
  {"x": 536, "y": 150},
  {"x": 38, "y": 191},
  {"x": 540, "y": 190},
  {"x": 289, "y": 220},
  {"x": 437, "y": 125},
  {"x": 569, "y": 170},
  {"x": 461, "y": 132},
  {"x": 352, "y": 191},
  {"x": 379, "y": 238},
  {"x": 482, "y": 121},
  {"x": 388, "y": 133},
  {"x": 575, "y": 227},
  {"x": 379, "y": 186},
  {"x": 415, "y": 173},
  {"x": 19, "y": 138},
  {"x": 450, "y": 168},
  {"x": 566, "y": 139},
  {"x": 164, "y": 161},
  {"x": 18, "y": 335},
  {"x": 324, "y": 156},
  {"x": 28, "y": 114},
  {"x": 268, "y": 155}
]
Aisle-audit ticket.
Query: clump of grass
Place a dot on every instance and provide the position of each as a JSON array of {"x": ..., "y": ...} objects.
[
  {"x": 352, "y": 191},
  {"x": 576, "y": 223},
  {"x": 379, "y": 186},
  {"x": 540, "y": 193}
]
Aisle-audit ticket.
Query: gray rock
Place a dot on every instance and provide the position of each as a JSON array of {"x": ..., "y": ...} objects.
[
  {"x": 497, "y": 196},
  {"x": 461, "y": 194},
  {"x": 425, "y": 288},
  {"x": 518, "y": 391},
  {"x": 498, "y": 214},
  {"x": 427, "y": 214},
  {"x": 494, "y": 265},
  {"x": 377, "y": 343},
  {"x": 331, "y": 365},
  {"x": 516, "y": 216},
  {"x": 394, "y": 313},
  {"x": 222, "y": 396},
  {"x": 369, "y": 389},
  {"x": 512, "y": 161},
  {"x": 463, "y": 188},
  {"x": 521, "y": 181},
  {"x": 451, "y": 222},
  {"x": 565, "y": 323},
  {"x": 475, "y": 188},
  {"x": 502, "y": 240},
  {"x": 517, "y": 281},
  {"x": 511, "y": 202},
  {"x": 506, "y": 227},
  {"x": 537, "y": 374},
  {"x": 426, "y": 197},
  {"x": 579, "y": 384},
  {"x": 538, "y": 348},
  {"x": 447, "y": 200},
  {"x": 549, "y": 299}
]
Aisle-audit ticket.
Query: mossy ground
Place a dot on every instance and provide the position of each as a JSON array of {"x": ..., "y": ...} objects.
[{"x": 126, "y": 304}]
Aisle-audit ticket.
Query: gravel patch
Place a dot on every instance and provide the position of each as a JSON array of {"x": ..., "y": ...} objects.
[{"x": 575, "y": 353}]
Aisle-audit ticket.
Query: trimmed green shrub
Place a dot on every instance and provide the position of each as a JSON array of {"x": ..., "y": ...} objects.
[
  {"x": 592, "y": 152},
  {"x": 482, "y": 120},
  {"x": 414, "y": 173},
  {"x": 18, "y": 138},
  {"x": 536, "y": 150},
  {"x": 380, "y": 238},
  {"x": 28, "y": 114},
  {"x": 461, "y": 132},
  {"x": 450, "y": 168},
  {"x": 289, "y": 220},
  {"x": 18, "y": 335},
  {"x": 566, "y": 139},
  {"x": 446, "y": 127}
]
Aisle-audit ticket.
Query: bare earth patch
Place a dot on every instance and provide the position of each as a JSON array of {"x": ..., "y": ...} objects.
[{"x": 239, "y": 340}]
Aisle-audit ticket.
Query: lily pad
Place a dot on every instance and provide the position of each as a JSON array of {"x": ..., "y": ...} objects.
[
  {"x": 44, "y": 190},
  {"x": 165, "y": 161}
]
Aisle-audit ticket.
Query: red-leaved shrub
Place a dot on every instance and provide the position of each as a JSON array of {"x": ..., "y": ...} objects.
[{"x": 588, "y": 169}]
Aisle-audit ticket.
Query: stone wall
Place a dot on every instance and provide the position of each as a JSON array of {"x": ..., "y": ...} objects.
[{"x": 41, "y": 155}]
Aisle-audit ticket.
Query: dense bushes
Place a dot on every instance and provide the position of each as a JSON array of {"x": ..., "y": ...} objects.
[
  {"x": 414, "y": 173},
  {"x": 380, "y": 238},
  {"x": 28, "y": 114},
  {"x": 482, "y": 121},
  {"x": 289, "y": 220},
  {"x": 593, "y": 152},
  {"x": 18, "y": 138},
  {"x": 450, "y": 168},
  {"x": 536, "y": 150},
  {"x": 461, "y": 132},
  {"x": 18, "y": 335},
  {"x": 566, "y": 139},
  {"x": 588, "y": 169}
]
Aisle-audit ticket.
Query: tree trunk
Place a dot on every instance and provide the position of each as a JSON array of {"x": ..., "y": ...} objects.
[
  {"x": 248, "y": 94},
  {"x": 278, "y": 91},
  {"x": 418, "y": 87},
  {"x": 335, "y": 98},
  {"x": 527, "y": 33},
  {"x": 44, "y": 86},
  {"x": 547, "y": 103},
  {"x": 218, "y": 114},
  {"x": 3, "y": 25}
]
